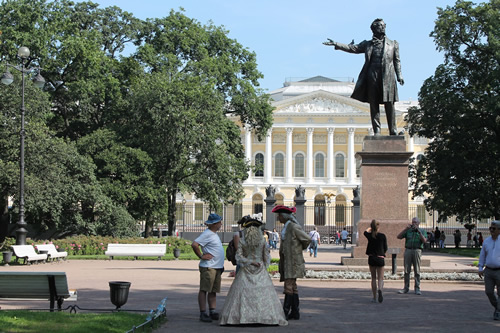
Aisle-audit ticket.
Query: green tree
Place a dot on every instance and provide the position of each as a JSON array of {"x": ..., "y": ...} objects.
[
  {"x": 198, "y": 82},
  {"x": 459, "y": 110}
]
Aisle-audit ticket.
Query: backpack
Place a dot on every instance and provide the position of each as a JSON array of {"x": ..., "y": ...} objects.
[{"x": 231, "y": 251}]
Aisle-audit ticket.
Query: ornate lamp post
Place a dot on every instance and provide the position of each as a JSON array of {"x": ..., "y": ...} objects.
[{"x": 7, "y": 78}]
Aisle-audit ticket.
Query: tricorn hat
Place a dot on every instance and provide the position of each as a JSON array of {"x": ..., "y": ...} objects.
[
  {"x": 213, "y": 218},
  {"x": 283, "y": 209}
]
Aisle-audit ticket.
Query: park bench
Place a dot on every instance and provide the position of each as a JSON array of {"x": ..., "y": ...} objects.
[
  {"x": 28, "y": 253},
  {"x": 52, "y": 251},
  {"x": 52, "y": 286},
  {"x": 136, "y": 250}
]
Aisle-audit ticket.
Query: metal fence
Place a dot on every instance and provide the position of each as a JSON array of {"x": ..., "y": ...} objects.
[{"x": 327, "y": 218}]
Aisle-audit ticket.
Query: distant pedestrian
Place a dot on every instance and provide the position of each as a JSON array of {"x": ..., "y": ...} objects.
[
  {"x": 211, "y": 266},
  {"x": 469, "y": 239},
  {"x": 489, "y": 267},
  {"x": 344, "y": 234},
  {"x": 275, "y": 238},
  {"x": 458, "y": 238},
  {"x": 437, "y": 236},
  {"x": 442, "y": 239},
  {"x": 480, "y": 239},
  {"x": 414, "y": 243},
  {"x": 376, "y": 249},
  {"x": 315, "y": 242}
]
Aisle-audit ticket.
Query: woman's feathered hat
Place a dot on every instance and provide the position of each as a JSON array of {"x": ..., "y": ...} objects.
[{"x": 283, "y": 209}]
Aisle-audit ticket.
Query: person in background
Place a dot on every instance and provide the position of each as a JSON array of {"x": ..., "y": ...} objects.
[
  {"x": 489, "y": 267},
  {"x": 414, "y": 244},
  {"x": 442, "y": 239},
  {"x": 376, "y": 249},
  {"x": 315, "y": 242},
  {"x": 211, "y": 266},
  {"x": 344, "y": 234},
  {"x": 458, "y": 238}
]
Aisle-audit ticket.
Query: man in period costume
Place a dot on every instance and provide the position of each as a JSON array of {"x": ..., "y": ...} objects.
[
  {"x": 292, "y": 265},
  {"x": 377, "y": 81}
]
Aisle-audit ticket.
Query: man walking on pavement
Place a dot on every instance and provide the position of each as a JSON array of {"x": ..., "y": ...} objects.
[
  {"x": 489, "y": 267},
  {"x": 414, "y": 244},
  {"x": 344, "y": 234}
]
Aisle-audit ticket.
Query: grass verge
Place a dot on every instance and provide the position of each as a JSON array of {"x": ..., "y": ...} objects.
[
  {"x": 37, "y": 321},
  {"x": 462, "y": 251}
]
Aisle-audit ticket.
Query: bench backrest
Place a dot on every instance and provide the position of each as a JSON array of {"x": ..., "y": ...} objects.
[
  {"x": 156, "y": 247},
  {"x": 24, "y": 250},
  {"x": 32, "y": 284},
  {"x": 50, "y": 248}
]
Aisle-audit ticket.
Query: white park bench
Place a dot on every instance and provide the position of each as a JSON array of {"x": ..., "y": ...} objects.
[
  {"x": 136, "y": 250},
  {"x": 28, "y": 253},
  {"x": 52, "y": 286},
  {"x": 52, "y": 251}
]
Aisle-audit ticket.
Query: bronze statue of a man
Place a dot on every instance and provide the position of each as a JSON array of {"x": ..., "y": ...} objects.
[{"x": 377, "y": 81}]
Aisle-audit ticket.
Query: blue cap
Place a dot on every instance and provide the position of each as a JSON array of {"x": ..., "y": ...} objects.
[{"x": 213, "y": 218}]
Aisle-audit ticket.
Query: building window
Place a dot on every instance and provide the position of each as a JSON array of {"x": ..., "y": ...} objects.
[
  {"x": 299, "y": 165},
  {"x": 319, "y": 165},
  {"x": 279, "y": 165},
  {"x": 259, "y": 165},
  {"x": 339, "y": 166},
  {"x": 198, "y": 212}
]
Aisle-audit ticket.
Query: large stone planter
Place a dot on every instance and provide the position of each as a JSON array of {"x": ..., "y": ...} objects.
[{"x": 177, "y": 253}]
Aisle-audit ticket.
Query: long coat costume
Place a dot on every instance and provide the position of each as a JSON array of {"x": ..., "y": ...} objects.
[
  {"x": 391, "y": 68},
  {"x": 292, "y": 263}
]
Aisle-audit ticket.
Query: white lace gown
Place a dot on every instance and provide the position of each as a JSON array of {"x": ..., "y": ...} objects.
[{"x": 252, "y": 298}]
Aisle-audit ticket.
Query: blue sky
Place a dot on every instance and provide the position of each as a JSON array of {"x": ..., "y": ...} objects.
[{"x": 287, "y": 35}]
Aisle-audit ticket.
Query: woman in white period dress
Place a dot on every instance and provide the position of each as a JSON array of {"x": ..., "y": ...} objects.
[{"x": 252, "y": 298}]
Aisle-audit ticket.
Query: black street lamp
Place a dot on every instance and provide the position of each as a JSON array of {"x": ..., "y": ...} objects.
[{"x": 7, "y": 78}]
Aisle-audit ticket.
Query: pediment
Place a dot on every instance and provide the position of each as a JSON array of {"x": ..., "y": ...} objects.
[{"x": 320, "y": 102}]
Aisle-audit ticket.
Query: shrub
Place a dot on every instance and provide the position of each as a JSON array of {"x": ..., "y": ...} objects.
[{"x": 97, "y": 245}]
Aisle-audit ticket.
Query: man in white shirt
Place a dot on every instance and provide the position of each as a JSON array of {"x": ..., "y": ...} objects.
[
  {"x": 211, "y": 266},
  {"x": 343, "y": 235},
  {"x": 489, "y": 266},
  {"x": 315, "y": 241}
]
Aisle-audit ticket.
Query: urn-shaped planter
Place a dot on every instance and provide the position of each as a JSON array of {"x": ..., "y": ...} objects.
[
  {"x": 177, "y": 253},
  {"x": 7, "y": 257},
  {"x": 118, "y": 293}
]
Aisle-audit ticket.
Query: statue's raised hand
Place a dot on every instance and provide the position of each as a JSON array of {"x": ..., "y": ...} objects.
[{"x": 329, "y": 42}]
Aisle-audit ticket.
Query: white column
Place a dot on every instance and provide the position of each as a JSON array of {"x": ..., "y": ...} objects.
[
  {"x": 289, "y": 140},
  {"x": 330, "y": 156},
  {"x": 268, "y": 160},
  {"x": 248, "y": 149},
  {"x": 310, "y": 163},
  {"x": 351, "y": 162}
]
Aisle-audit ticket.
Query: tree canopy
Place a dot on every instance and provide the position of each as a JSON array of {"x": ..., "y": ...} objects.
[
  {"x": 459, "y": 111},
  {"x": 134, "y": 111}
]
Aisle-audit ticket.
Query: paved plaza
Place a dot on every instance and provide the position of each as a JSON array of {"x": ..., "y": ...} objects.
[{"x": 326, "y": 305}]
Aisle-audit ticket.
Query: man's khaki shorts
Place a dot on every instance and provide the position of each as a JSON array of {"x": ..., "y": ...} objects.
[{"x": 210, "y": 279}]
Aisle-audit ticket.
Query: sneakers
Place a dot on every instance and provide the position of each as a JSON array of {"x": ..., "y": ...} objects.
[
  {"x": 380, "y": 297},
  {"x": 206, "y": 318},
  {"x": 403, "y": 291},
  {"x": 418, "y": 292}
]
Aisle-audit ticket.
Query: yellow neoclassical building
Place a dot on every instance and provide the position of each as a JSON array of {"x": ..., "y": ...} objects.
[{"x": 317, "y": 131}]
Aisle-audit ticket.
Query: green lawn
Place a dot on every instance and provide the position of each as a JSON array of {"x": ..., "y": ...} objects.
[
  {"x": 36, "y": 321},
  {"x": 462, "y": 251}
]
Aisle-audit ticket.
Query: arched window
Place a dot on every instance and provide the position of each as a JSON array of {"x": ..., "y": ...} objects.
[
  {"x": 339, "y": 165},
  {"x": 258, "y": 203},
  {"x": 279, "y": 165},
  {"x": 299, "y": 165},
  {"x": 259, "y": 165},
  {"x": 319, "y": 165}
]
